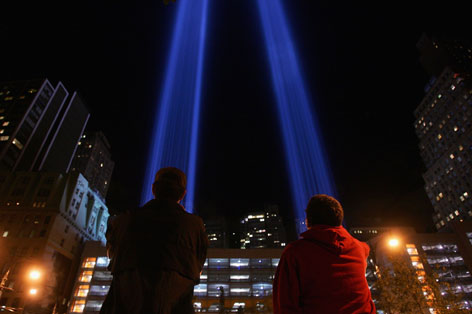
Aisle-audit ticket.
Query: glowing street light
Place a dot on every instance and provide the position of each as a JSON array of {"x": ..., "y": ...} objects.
[
  {"x": 34, "y": 274},
  {"x": 33, "y": 291},
  {"x": 393, "y": 243}
]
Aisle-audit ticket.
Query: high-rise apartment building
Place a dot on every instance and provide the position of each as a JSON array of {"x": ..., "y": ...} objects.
[
  {"x": 263, "y": 229},
  {"x": 45, "y": 217},
  {"x": 444, "y": 127},
  {"x": 93, "y": 160},
  {"x": 40, "y": 126}
]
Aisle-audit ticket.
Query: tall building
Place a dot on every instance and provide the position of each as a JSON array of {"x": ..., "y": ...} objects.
[
  {"x": 45, "y": 217},
  {"x": 93, "y": 160},
  {"x": 444, "y": 128},
  {"x": 263, "y": 229},
  {"x": 40, "y": 126},
  {"x": 232, "y": 280},
  {"x": 438, "y": 52},
  {"x": 217, "y": 231}
]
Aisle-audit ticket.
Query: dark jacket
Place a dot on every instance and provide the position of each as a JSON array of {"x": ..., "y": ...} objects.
[
  {"x": 324, "y": 272},
  {"x": 156, "y": 250}
]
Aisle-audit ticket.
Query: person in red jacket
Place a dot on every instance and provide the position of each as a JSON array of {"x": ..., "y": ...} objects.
[{"x": 324, "y": 271}]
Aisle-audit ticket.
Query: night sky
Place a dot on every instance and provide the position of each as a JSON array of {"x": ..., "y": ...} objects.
[{"x": 359, "y": 61}]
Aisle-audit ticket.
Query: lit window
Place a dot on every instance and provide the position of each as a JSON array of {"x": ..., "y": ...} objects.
[
  {"x": 1, "y": 131},
  {"x": 6, "y": 123},
  {"x": 101, "y": 165},
  {"x": 439, "y": 96},
  {"x": 32, "y": 90},
  {"x": 411, "y": 249},
  {"x": 99, "y": 290},
  {"x": 439, "y": 136},
  {"x": 8, "y": 98},
  {"x": 4, "y": 138},
  {"x": 78, "y": 306},
  {"x": 86, "y": 276},
  {"x": 2, "y": 117},
  {"x": 89, "y": 262},
  {"x": 451, "y": 156},
  {"x": 456, "y": 212},
  {"x": 82, "y": 291},
  {"x": 5, "y": 234},
  {"x": 456, "y": 128},
  {"x": 103, "y": 261},
  {"x": 17, "y": 143},
  {"x": 461, "y": 148},
  {"x": 90, "y": 146},
  {"x": 466, "y": 194}
]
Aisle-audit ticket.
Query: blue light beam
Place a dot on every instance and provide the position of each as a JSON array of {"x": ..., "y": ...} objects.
[
  {"x": 175, "y": 132},
  {"x": 307, "y": 165}
]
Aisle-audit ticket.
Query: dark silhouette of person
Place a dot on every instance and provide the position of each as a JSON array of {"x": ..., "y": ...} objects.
[
  {"x": 324, "y": 271},
  {"x": 157, "y": 252}
]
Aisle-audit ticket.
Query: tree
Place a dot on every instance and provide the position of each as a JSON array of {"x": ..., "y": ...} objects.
[{"x": 404, "y": 289}]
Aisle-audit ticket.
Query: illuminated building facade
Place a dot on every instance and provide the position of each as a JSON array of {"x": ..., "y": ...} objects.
[
  {"x": 93, "y": 280},
  {"x": 45, "y": 217},
  {"x": 93, "y": 160},
  {"x": 40, "y": 126},
  {"x": 444, "y": 128},
  {"x": 449, "y": 255},
  {"x": 263, "y": 229},
  {"x": 232, "y": 279}
]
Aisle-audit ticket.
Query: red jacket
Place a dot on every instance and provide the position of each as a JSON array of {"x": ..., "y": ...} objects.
[{"x": 323, "y": 273}]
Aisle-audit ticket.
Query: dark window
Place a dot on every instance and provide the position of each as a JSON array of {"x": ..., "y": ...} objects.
[
  {"x": 62, "y": 242},
  {"x": 47, "y": 220},
  {"x": 42, "y": 233},
  {"x": 66, "y": 229},
  {"x": 44, "y": 192}
]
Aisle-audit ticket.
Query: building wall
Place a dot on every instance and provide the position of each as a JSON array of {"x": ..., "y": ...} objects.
[
  {"x": 93, "y": 160},
  {"x": 444, "y": 127},
  {"x": 245, "y": 275},
  {"x": 40, "y": 126},
  {"x": 44, "y": 220},
  {"x": 263, "y": 229}
]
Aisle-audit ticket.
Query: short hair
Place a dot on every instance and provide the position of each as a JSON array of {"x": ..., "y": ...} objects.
[
  {"x": 324, "y": 210},
  {"x": 170, "y": 183}
]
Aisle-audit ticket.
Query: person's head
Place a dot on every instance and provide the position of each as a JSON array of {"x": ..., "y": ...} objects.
[
  {"x": 324, "y": 210},
  {"x": 169, "y": 184}
]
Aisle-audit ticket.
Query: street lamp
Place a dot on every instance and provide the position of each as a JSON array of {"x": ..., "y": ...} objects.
[
  {"x": 33, "y": 291},
  {"x": 34, "y": 274},
  {"x": 393, "y": 242}
]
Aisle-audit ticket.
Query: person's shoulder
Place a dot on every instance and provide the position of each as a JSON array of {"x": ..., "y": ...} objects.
[{"x": 293, "y": 247}]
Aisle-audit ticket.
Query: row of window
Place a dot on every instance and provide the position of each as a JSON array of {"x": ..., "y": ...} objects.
[
  {"x": 241, "y": 263},
  {"x": 218, "y": 289}
]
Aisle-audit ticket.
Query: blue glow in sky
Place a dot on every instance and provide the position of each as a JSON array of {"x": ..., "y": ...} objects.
[
  {"x": 307, "y": 163},
  {"x": 175, "y": 134}
]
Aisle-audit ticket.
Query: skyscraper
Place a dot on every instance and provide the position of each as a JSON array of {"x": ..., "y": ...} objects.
[
  {"x": 444, "y": 127},
  {"x": 40, "y": 126},
  {"x": 263, "y": 229},
  {"x": 93, "y": 160}
]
